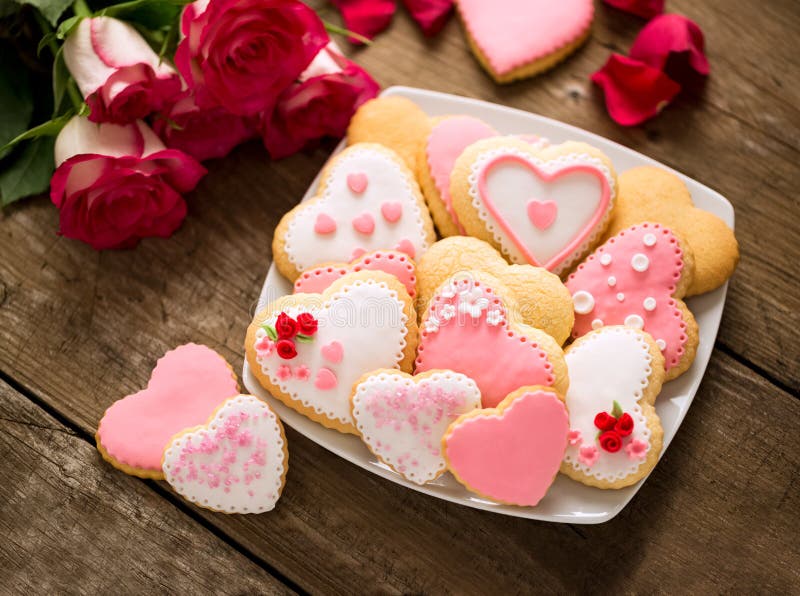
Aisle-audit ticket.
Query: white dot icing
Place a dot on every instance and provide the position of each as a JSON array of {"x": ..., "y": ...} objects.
[
  {"x": 605, "y": 260},
  {"x": 640, "y": 262},
  {"x": 612, "y": 281},
  {"x": 662, "y": 345},
  {"x": 583, "y": 302},
  {"x": 649, "y": 303},
  {"x": 649, "y": 239},
  {"x": 597, "y": 323},
  {"x": 620, "y": 296},
  {"x": 634, "y": 321}
]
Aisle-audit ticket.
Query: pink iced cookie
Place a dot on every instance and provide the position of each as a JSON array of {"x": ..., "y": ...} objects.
[
  {"x": 510, "y": 453},
  {"x": 637, "y": 279},
  {"x": 187, "y": 385},
  {"x": 396, "y": 263},
  {"x": 235, "y": 463}
]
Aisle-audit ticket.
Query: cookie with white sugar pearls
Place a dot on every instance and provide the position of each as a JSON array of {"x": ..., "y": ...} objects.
[{"x": 637, "y": 278}]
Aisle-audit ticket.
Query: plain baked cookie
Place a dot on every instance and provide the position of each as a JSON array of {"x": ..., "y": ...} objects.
[
  {"x": 308, "y": 350},
  {"x": 615, "y": 435}
]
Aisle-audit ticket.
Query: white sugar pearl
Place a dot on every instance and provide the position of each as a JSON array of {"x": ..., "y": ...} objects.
[
  {"x": 605, "y": 260},
  {"x": 597, "y": 323},
  {"x": 649, "y": 303},
  {"x": 612, "y": 281},
  {"x": 649, "y": 239},
  {"x": 640, "y": 262},
  {"x": 583, "y": 302},
  {"x": 662, "y": 345},
  {"x": 634, "y": 321},
  {"x": 620, "y": 296}
]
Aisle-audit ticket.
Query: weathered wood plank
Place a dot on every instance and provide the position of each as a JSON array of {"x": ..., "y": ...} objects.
[{"x": 71, "y": 524}]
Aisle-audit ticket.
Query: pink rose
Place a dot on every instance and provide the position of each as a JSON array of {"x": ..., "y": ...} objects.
[
  {"x": 320, "y": 104},
  {"x": 119, "y": 75},
  {"x": 242, "y": 54},
  {"x": 117, "y": 184},
  {"x": 203, "y": 133}
]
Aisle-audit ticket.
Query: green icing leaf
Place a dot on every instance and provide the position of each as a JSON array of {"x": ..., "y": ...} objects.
[
  {"x": 304, "y": 339},
  {"x": 616, "y": 411},
  {"x": 29, "y": 172},
  {"x": 270, "y": 332}
]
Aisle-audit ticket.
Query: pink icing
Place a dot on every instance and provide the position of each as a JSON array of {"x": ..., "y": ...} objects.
[
  {"x": 315, "y": 281},
  {"x": 447, "y": 141},
  {"x": 326, "y": 379},
  {"x": 392, "y": 211},
  {"x": 497, "y": 358},
  {"x": 646, "y": 294},
  {"x": 333, "y": 352},
  {"x": 357, "y": 181},
  {"x": 364, "y": 224},
  {"x": 187, "y": 385},
  {"x": 542, "y": 213},
  {"x": 511, "y": 33},
  {"x": 405, "y": 245},
  {"x": 324, "y": 224},
  {"x": 570, "y": 244},
  {"x": 514, "y": 456}
]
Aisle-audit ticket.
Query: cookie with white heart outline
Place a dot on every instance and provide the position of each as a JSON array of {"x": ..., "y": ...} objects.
[
  {"x": 402, "y": 418},
  {"x": 234, "y": 463},
  {"x": 472, "y": 326},
  {"x": 547, "y": 208},
  {"x": 543, "y": 300},
  {"x": 307, "y": 350},
  {"x": 367, "y": 200},
  {"x": 615, "y": 435}
]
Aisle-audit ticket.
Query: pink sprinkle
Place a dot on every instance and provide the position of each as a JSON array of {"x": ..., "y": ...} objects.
[
  {"x": 284, "y": 372},
  {"x": 302, "y": 372}
]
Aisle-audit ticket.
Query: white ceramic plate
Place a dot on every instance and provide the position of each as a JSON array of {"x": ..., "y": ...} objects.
[{"x": 567, "y": 500}]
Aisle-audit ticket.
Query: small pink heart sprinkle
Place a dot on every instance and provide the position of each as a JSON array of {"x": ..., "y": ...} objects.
[
  {"x": 405, "y": 246},
  {"x": 333, "y": 352},
  {"x": 391, "y": 211},
  {"x": 542, "y": 213},
  {"x": 325, "y": 379},
  {"x": 364, "y": 224},
  {"x": 324, "y": 224},
  {"x": 357, "y": 182}
]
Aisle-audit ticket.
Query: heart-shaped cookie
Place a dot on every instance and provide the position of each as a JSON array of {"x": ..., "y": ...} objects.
[
  {"x": 402, "y": 418},
  {"x": 186, "y": 386},
  {"x": 314, "y": 281},
  {"x": 546, "y": 208},
  {"x": 308, "y": 350},
  {"x": 471, "y": 326},
  {"x": 615, "y": 435},
  {"x": 637, "y": 279},
  {"x": 511, "y": 453},
  {"x": 513, "y": 39},
  {"x": 367, "y": 200},
  {"x": 235, "y": 463}
]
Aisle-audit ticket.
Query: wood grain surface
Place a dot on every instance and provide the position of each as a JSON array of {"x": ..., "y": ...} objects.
[{"x": 79, "y": 329}]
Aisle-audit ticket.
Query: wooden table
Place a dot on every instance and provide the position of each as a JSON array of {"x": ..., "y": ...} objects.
[{"x": 79, "y": 329}]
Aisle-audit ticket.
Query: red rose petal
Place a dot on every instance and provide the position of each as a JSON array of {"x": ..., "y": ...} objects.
[
  {"x": 667, "y": 35},
  {"x": 641, "y": 8},
  {"x": 430, "y": 15},
  {"x": 366, "y": 17},
  {"x": 634, "y": 90}
]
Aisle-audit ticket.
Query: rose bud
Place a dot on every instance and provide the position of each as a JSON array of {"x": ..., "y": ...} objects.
[
  {"x": 604, "y": 421},
  {"x": 611, "y": 441},
  {"x": 307, "y": 323},
  {"x": 624, "y": 425},
  {"x": 114, "y": 185},
  {"x": 286, "y": 349},
  {"x": 119, "y": 75},
  {"x": 285, "y": 326}
]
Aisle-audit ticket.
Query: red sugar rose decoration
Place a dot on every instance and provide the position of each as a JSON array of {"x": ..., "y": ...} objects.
[
  {"x": 641, "y": 8},
  {"x": 668, "y": 35},
  {"x": 286, "y": 349},
  {"x": 614, "y": 427},
  {"x": 285, "y": 326},
  {"x": 624, "y": 426},
  {"x": 307, "y": 323},
  {"x": 611, "y": 441},
  {"x": 605, "y": 421}
]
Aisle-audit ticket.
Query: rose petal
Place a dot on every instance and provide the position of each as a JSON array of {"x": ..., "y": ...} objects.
[
  {"x": 641, "y": 8},
  {"x": 366, "y": 17},
  {"x": 634, "y": 90},
  {"x": 430, "y": 15},
  {"x": 668, "y": 35}
]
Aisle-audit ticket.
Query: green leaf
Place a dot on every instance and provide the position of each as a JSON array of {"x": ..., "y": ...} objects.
[
  {"x": 67, "y": 26},
  {"x": 271, "y": 332},
  {"x": 152, "y": 14},
  {"x": 304, "y": 339},
  {"x": 616, "y": 411},
  {"x": 51, "y": 9},
  {"x": 61, "y": 78},
  {"x": 16, "y": 99},
  {"x": 29, "y": 173},
  {"x": 50, "y": 128}
]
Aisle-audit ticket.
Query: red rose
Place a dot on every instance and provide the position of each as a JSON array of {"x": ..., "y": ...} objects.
[
  {"x": 285, "y": 326},
  {"x": 120, "y": 76},
  {"x": 624, "y": 425},
  {"x": 642, "y": 8},
  {"x": 611, "y": 441},
  {"x": 117, "y": 184},
  {"x": 307, "y": 323},
  {"x": 320, "y": 104},
  {"x": 203, "y": 133},
  {"x": 242, "y": 54},
  {"x": 286, "y": 349},
  {"x": 604, "y": 421}
]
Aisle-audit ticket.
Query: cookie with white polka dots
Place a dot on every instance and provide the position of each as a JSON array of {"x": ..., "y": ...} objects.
[{"x": 637, "y": 278}]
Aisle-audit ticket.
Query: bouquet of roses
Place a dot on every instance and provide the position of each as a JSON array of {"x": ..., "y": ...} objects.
[{"x": 144, "y": 90}]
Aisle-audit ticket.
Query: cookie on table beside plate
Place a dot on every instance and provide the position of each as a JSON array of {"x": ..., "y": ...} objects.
[
  {"x": 653, "y": 194},
  {"x": 234, "y": 463},
  {"x": 637, "y": 278},
  {"x": 367, "y": 200},
  {"x": 615, "y": 435},
  {"x": 543, "y": 301},
  {"x": 510, "y": 453},
  {"x": 402, "y": 418},
  {"x": 308, "y": 350},
  {"x": 546, "y": 207}
]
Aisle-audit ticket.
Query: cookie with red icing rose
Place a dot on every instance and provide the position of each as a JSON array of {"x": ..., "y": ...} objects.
[
  {"x": 543, "y": 301},
  {"x": 472, "y": 326},
  {"x": 236, "y": 462},
  {"x": 186, "y": 386},
  {"x": 402, "y": 419},
  {"x": 514, "y": 39},
  {"x": 367, "y": 200},
  {"x": 637, "y": 278},
  {"x": 545, "y": 207},
  {"x": 615, "y": 435},
  {"x": 308, "y": 350},
  {"x": 510, "y": 453}
]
